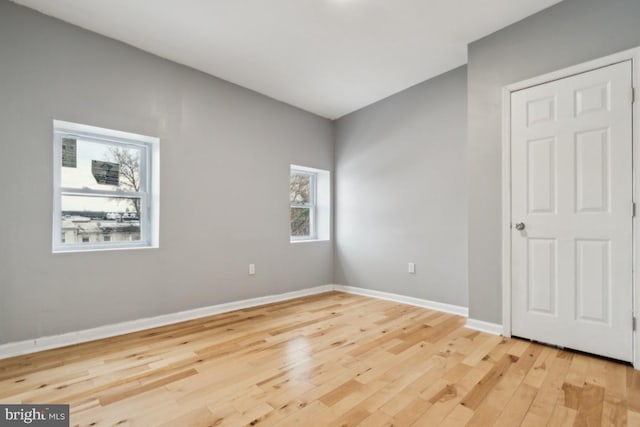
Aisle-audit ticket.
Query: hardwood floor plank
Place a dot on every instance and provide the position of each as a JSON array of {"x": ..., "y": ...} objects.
[
  {"x": 633, "y": 390},
  {"x": 590, "y": 407},
  {"x": 499, "y": 397},
  {"x": 538, "y": 372},
  {"x": 460, "y": 416},
  {"x": 550, "y": 392},
  {"x": 614, "y": 414},
  {"x": 352, "y": 417},
  {"x": 200, "y": 417},
  {"x": 411, "y": 412},
  {"x": 488, "y": 343},
  {"x": 633, "y": 418},
  {"x": 562, "y": 417},
  {"x": 377, "y": 419},
  {"x": 445, "y": 401},
  {"x": 475, "y": 397},
  {"x": 331, "y": 359},
  {"x": 517, "y": 408},
  {"x": 614, "y": 410}
]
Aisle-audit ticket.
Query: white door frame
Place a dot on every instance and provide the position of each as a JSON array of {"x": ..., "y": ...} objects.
[{"x": 634, "y": 56}]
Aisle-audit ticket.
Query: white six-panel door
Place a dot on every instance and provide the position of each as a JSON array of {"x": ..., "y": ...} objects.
[{"x": 571, "y": 195}]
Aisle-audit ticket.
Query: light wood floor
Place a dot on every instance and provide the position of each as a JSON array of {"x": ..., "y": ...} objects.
[{"x": 329, "y": 360}]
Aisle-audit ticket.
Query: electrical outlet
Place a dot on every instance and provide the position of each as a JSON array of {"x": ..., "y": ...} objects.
[
  {"x": 252, "y": 269},
  {"x": 411, "y": 268}
]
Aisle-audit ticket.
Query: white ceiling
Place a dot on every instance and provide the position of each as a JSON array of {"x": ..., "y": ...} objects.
[{"x": 329, "y": 57}]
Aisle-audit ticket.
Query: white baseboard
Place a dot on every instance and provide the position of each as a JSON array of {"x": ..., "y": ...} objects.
[
  {"x": 100, "y": 332},
  {"x": 431, "y": 305},
  {"x": 77, "y": 337},
  {"x": 482, "y": 326}
]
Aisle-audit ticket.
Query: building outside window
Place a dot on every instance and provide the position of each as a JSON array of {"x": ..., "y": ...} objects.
[{"x": 106, "y": 189}]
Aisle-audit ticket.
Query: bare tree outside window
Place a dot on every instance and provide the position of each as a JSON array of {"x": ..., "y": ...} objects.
[
  {"x": 129, "y": 162},
  {"x": 300, "y": 198}
]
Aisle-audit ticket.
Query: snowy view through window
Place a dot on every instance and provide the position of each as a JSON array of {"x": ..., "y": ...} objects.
[{"x": 90, "y": 171}]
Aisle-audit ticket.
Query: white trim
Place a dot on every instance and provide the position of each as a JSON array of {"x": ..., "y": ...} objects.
[
  {"x": 482, "y": 326},
  {"x": 418, "y": 302},
  {"x": 70, "y": 338},
  {"x": 634, "y": 56},
  {"x": 106, "y": 331},
  {"x": 506, "y": 214},
  {"x": 100, "y": 133},
  {"x": 635, "y": 67}
]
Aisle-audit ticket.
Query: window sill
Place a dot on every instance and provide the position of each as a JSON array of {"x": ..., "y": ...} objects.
[
  {"x": 101, "y": 249},
  {"x": 309, "y": 240}
]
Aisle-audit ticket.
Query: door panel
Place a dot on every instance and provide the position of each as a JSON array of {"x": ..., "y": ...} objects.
[
  {"x": 571, "y": 179},
  {"x": 593, "y": 279},
  {"x": 592, "y": 171},
  {"x": 542, "y": 278},
  {"x": 541, "y": 179}
]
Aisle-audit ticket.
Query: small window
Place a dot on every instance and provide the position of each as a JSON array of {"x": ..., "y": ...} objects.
[
  {"x": 302, "y": 197},
  {"x": 105, "y": 189},
  {"x": 309, "y": 199}
]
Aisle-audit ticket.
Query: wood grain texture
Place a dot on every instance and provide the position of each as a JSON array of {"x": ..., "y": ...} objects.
[{"x": 333, "y": 359}]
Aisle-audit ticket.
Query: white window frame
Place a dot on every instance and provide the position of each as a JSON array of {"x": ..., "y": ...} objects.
[
  {"x": 320, "y": 204},
  {"x": 149, "y": 194},
  {"x": 311, "y": 205}
]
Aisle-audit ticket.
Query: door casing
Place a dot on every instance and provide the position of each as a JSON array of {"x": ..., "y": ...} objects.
[{"x": 634, "y": 56}]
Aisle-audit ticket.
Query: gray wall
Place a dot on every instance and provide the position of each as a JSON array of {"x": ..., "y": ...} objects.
[
  {"x": 401, "y": 192},
  {"x": 405, "y": 168},
  {"x": 225, "y": 156},
  {"x": 569, "y": 33}
]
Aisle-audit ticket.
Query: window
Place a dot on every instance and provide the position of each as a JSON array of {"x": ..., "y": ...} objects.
[
  {"x": 105, "y": 189},
  {"x": 303, "y": 204},
  {"x": 308, "y": 204}
]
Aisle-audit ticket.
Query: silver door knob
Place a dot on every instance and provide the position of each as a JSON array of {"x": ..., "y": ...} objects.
[{"x": 520, "y": 226}]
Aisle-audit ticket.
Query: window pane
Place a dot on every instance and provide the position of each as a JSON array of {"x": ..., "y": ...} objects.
[
  {"x": 100, "y": 219},
  {"x": 100, "y": 166},
  {"x": 300, "y": 222},
  {"x": 300, "y": 188}
]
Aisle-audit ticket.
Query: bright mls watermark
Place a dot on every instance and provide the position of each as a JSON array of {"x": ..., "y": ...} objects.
[{"x": 34, "y": 415}]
